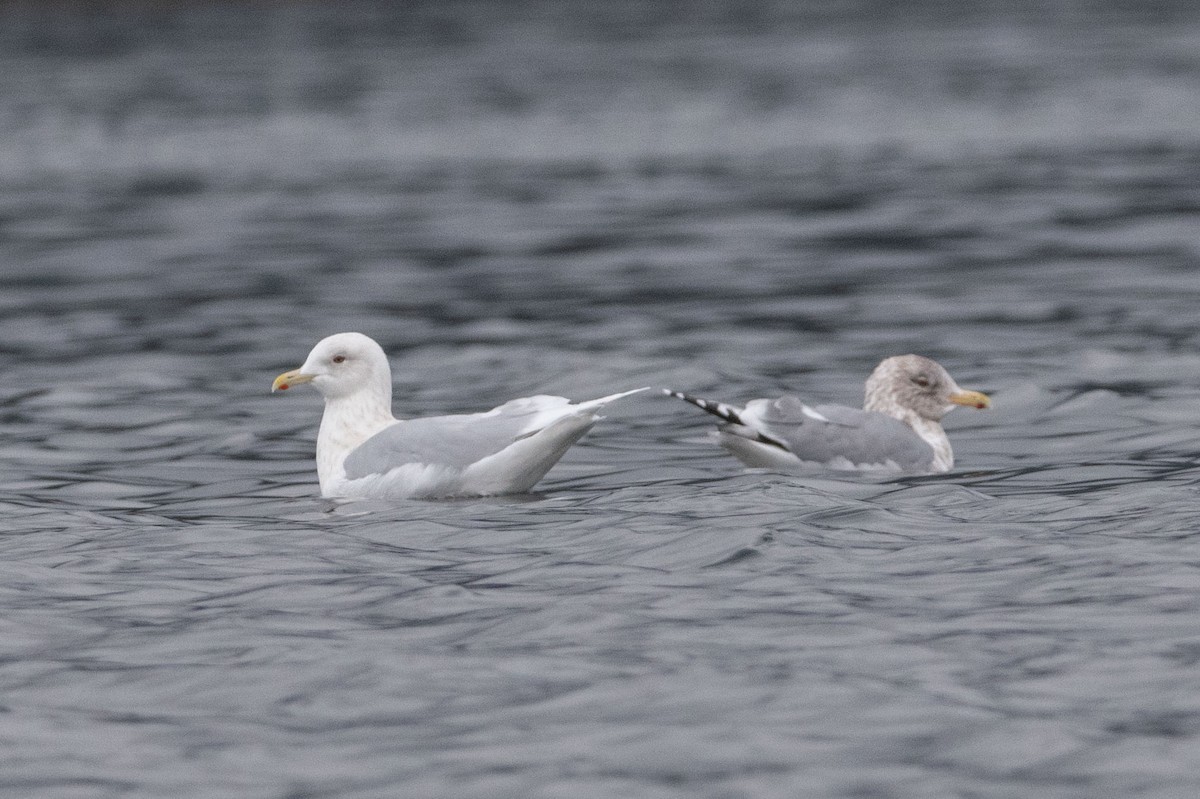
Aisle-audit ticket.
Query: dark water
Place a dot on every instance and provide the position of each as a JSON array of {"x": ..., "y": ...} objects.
[{"x": 581, "y": 198}]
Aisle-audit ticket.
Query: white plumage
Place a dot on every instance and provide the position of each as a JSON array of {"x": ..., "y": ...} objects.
[{"x": 365, "y": 451}]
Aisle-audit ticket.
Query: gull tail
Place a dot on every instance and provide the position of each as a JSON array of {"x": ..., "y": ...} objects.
[{"x": 718, "y": 409}]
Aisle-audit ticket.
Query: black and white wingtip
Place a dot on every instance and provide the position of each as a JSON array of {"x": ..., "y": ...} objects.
[
  {"x": 718, "y": 409},
  {"x": 731, "y": 416}
]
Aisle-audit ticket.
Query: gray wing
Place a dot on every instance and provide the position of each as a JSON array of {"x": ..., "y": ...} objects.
[
  {"x": 456, "y": 441},
  {"x": 861, "y": 437}
]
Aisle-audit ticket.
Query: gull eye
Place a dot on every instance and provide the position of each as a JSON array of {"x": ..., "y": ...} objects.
[
  {"x": 922, "y": 381},
  {"x": 339, "y": 358}
]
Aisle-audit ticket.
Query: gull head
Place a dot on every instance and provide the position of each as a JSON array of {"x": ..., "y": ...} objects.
[
  {"x": 342, "y": 365},
  {"x": 914, "y": 384}
]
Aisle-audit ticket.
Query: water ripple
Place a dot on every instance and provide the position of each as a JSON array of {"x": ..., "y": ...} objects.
[{"x": 188, "y": 206}]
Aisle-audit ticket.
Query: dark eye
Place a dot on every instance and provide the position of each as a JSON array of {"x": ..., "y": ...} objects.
[
  {"x": 922, "y": 381},
  {"x": 339, "y": 358}
]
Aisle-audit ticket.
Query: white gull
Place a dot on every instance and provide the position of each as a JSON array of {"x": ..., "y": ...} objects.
[{"x": 365, "y": 451}]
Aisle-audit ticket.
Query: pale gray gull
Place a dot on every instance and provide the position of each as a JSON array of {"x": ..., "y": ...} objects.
[
  {"x": 898, "y": 428},
  {"x": 364, "y": 451}
]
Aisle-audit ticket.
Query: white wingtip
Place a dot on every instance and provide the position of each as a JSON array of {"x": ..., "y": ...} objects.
[
  {"x": 812, "y": 414},
  {"x": 602, "y": 401}
]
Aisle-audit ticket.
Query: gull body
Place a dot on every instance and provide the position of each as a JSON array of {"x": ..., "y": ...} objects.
[
  {"x": 898, "y": 428},
  {"x": 365, "y": 451}
]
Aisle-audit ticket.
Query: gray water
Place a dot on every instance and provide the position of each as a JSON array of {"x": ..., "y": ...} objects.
[{"x": 580, "y": 198}]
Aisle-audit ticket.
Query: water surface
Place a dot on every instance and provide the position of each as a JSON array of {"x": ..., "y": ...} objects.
[{"x": 523, "y": 198}]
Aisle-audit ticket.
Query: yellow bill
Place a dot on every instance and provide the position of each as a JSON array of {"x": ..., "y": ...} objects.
[
  {"x": 971, "y": 399},
  {"x": 289, "y": 379}
]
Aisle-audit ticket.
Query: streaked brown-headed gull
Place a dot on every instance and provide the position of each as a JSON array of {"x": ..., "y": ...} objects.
[
  {"x": 899, "y": 426},
  {"x": 364, "y": 451}
]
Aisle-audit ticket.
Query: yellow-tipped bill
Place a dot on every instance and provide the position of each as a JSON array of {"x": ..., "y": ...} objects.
[
  {"x": 289, "y": 379},
  {"x": 971, "y": 399}
]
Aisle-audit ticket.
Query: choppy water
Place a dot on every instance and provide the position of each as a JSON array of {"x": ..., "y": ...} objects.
[{"x": 579, "y": 199}]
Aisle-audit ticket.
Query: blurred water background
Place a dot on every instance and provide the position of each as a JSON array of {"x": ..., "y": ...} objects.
[{"x": 581, "y": 197}]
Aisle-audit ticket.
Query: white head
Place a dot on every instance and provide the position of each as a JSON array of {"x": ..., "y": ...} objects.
[
  {"x": 913, "y": 384},
  {"x": 343, "y": 365}
]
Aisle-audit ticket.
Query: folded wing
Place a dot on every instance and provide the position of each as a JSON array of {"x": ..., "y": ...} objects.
[
  {"x": 455, "y": 441},
  {"x": 833, "y": 435}
]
